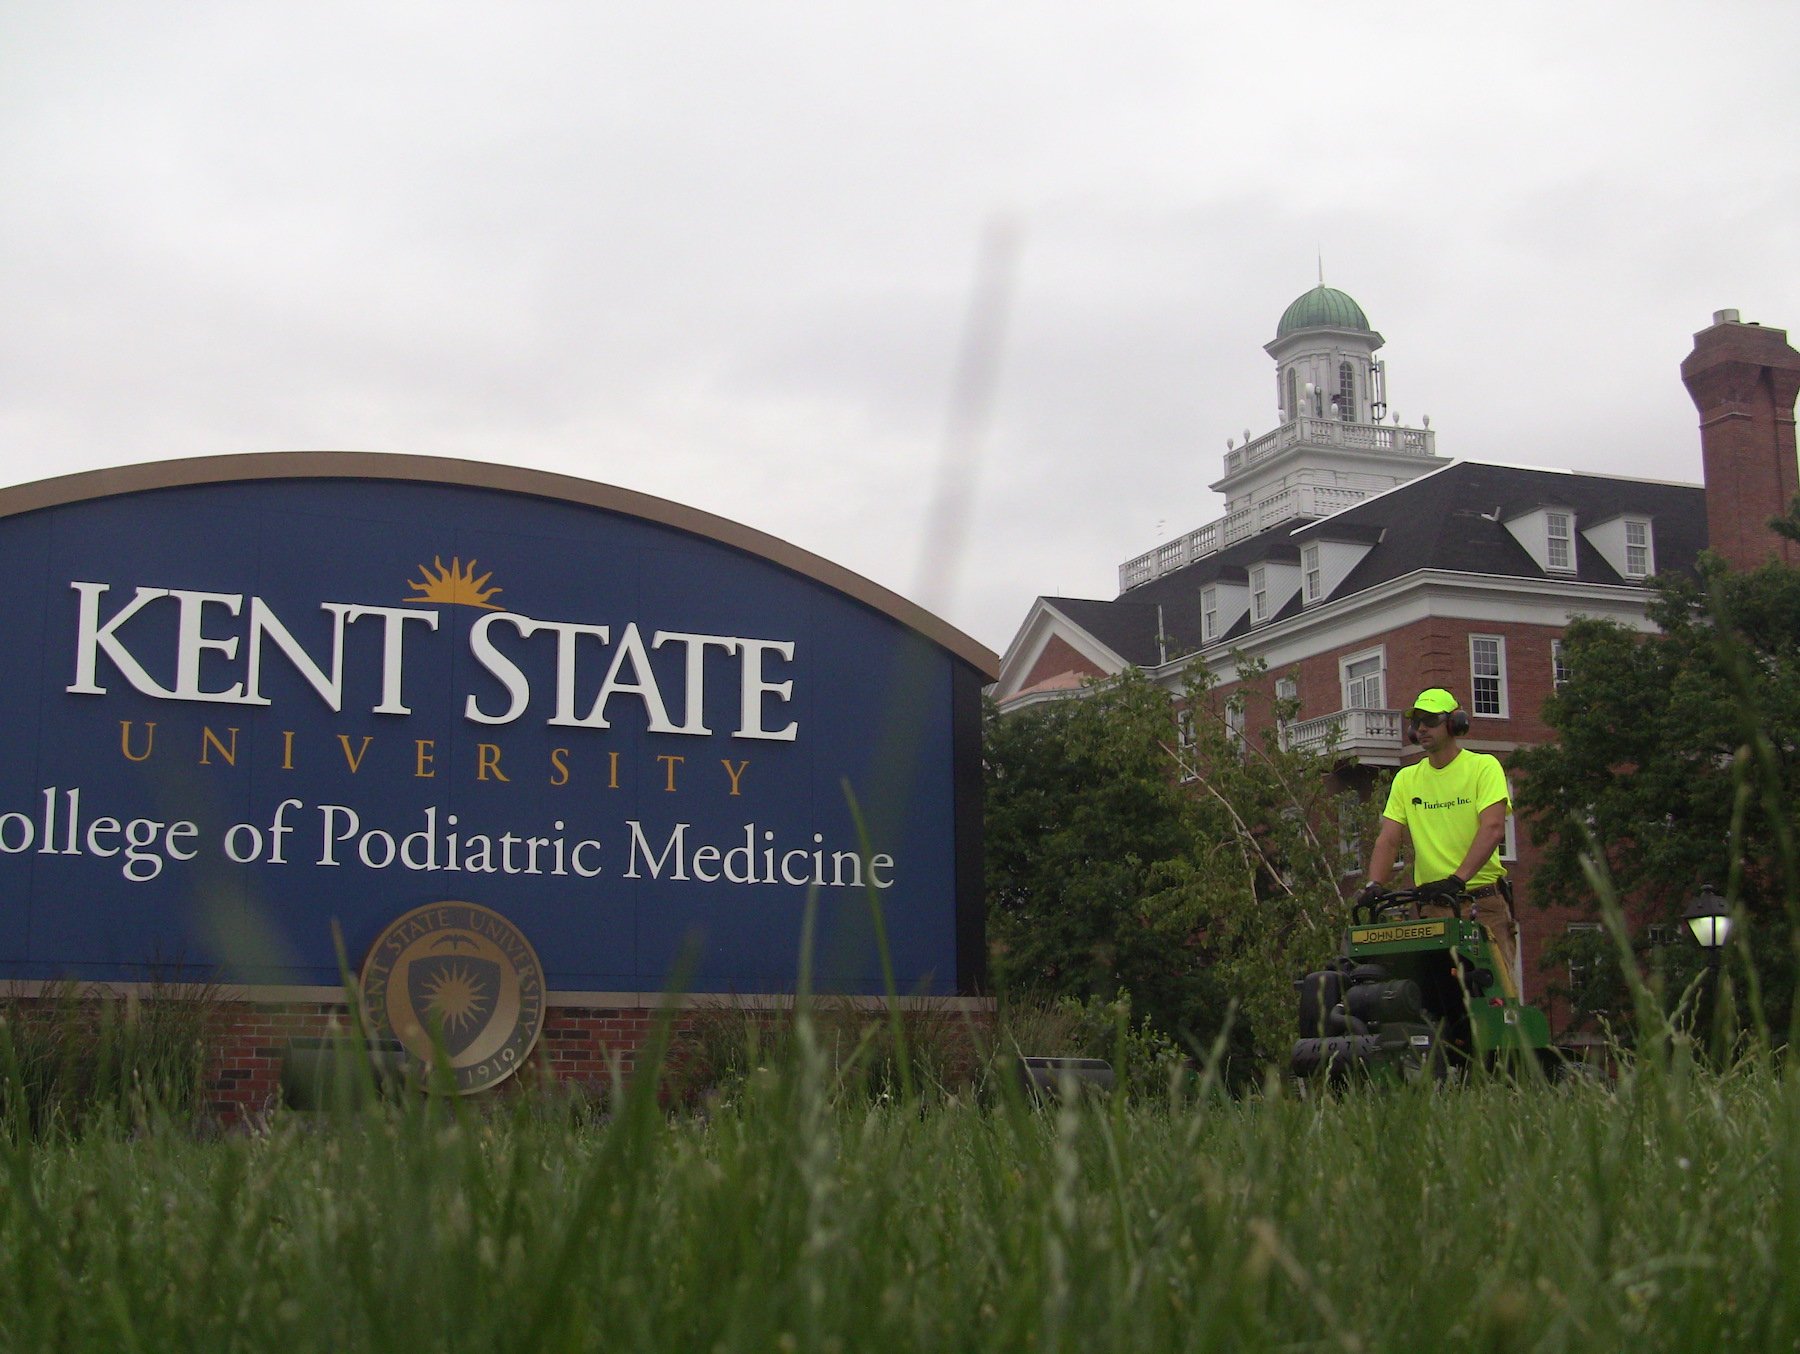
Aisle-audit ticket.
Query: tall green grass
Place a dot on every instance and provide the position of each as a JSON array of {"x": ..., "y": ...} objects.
[
  {"x": 72, "y": 1056},
  {"x": 1660, "y": 1213}
]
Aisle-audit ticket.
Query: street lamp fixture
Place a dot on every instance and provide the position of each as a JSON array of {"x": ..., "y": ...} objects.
[{"x": 1708, "y": 921}]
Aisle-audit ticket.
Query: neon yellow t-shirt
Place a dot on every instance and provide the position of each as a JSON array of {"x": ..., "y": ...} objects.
[{"x": 1441, "y": 809}]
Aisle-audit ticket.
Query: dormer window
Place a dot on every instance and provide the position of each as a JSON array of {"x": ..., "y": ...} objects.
[
  {"x": 1548, "y": 536},
  {"x": 1209, "y": 614},
  {"x": 1638, "y": 560},
  {"x": 1561, "y": 553},
  {"x": 1259, "y": 595},
  {"x": 1309, "y": 567},
  {"x": 1627, "y": 543}
]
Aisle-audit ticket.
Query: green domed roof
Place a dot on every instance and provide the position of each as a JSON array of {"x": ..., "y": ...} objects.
[{"x": 1322, "y": 307}]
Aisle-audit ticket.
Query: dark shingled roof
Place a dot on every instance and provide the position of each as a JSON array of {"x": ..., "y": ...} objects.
[
  {"x": 1451, "y": 520},
  {"x": 1128, "y": 628},
  {"x": 1455, "y": 520}
]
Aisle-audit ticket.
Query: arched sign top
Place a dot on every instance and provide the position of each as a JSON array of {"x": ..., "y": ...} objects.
[{"x": 366, "y": 465}]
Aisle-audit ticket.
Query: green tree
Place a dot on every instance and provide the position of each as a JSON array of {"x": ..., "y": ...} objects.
[
  {"x": 1132, "y": 850},
  {"x": 1677, "y": 756}
]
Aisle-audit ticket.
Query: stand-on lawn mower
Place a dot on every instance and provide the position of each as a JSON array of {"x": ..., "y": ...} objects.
[{"x": 1412, "y": 997}]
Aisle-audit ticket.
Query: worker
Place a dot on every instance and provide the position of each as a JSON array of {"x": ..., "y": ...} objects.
[{"x": 1453, "y": 804}]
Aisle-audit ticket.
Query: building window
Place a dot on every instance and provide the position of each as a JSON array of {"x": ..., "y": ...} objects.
[
  {"x": 1185, "y": 743},
  {"x": 1487, "y": 675},
  {"x": 1234, "y": 722},
  {"x": 1509, "y": 844},
  {"x": 1587, "y": 944},
  {"x": 1346, "y": 400},
  {"x": 1562, "y": 546},
  {"x": 1559, "y": 665},
  {"x": 1209, "y": 614},
  {"x": 1638, "y": 562},
  {"x": 1259, "y": 595},
  {"x": 1363, "y": 682},
  {"x": 1287, "y": 701},
  {"x": 1315, "y": 581},
  {"x": 1293, "y": 399}
]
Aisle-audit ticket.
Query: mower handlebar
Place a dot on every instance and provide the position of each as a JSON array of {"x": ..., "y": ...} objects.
[{"x": 1399, "y": 900}]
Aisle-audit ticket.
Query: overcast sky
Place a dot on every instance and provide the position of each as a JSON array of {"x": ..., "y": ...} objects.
[{"x": 729, "y": 254}]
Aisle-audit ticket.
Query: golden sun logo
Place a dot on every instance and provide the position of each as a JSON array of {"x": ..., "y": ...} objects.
[
  {"x": 455, "y": 586},
  {"x": 455, "y": 998}
]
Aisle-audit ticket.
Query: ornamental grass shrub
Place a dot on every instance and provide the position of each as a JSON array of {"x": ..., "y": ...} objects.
[{"x": 74, "y": 1056}]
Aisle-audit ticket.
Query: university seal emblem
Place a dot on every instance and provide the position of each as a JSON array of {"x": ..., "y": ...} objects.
[{"x": 458, "y": 980}]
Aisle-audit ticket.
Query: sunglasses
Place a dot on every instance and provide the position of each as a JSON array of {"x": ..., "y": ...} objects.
[{"x": 1424, "y": 721}]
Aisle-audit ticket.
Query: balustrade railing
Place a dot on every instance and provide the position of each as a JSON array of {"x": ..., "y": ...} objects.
[
  {"x": 1285, "y": 501},
  {"x": 1332, "y": 432},
  {"x": 1361, "y": 733}
]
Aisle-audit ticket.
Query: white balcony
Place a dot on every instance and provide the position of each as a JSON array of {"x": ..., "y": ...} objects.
[
  {"x": 1333, "y": 433},
  {"x": 1372, "y": 737},
  {"x": 1292, "y": 501}
]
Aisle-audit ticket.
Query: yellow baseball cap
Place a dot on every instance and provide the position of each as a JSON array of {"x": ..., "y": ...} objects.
[{"x": 1436, "y": 701}]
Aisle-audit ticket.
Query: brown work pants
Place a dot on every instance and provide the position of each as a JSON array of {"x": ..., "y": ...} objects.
[{"x": 1497, "y": 920}]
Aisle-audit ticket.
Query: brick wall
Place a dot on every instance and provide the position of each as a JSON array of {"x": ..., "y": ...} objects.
[
  {"x": 579, "y": 1045},
  {"x": 1059, "y": 656},
  {"x": 1743, "y": 379},
  {"x": 1428, "y": 653}
]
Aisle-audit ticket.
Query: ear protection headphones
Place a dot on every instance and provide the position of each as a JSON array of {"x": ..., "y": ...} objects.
[{"x": 1458, "y": 721}]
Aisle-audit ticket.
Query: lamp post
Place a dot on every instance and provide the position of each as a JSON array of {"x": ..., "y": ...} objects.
[{"x": 1708, "y": 921}]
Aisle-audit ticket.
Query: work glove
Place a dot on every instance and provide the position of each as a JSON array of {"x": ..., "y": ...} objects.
[
  {"x": 1369, "y": 893},
  {"x": 1441, "y": 890}
]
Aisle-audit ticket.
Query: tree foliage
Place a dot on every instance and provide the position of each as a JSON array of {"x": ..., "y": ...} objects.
[
  {"x": 1129, "y": 852},
  {"x": 1677, "y": 757},
  {"x": 1675, "y": 752}
]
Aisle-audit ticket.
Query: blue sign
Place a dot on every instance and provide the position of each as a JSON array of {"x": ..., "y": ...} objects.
[{"x": 259, "y": 698}]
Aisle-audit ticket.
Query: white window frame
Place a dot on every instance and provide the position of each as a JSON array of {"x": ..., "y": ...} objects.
[
  {"x": 1209, "y": 615},
  {"x": 1560, "y": 672},
  {"x": 1186, "y": 742},
  {"x": 1349, "y": 661},
  {"x": 1577, "y": 973},
  {"x": 1234, "y": 723},
  {"x": 1645, "y": 546},
  {"x": 1566, "y": 540},
  {"x": 1286, "y": 689},
  {"x": 1315, "y": 578},
  {"x": 1498, "y": 677},
  {"x": 1259, "y": 594}
]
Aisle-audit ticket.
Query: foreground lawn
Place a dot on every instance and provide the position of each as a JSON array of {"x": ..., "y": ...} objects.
[{"x": 1659, "y": 1214}]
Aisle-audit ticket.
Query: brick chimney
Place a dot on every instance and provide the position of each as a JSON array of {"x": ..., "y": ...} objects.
[{"x": 1743, "y": 379}]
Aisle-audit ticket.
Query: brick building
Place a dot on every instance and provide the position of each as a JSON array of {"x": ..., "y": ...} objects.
[{"x": 1362, "y": 567}]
